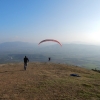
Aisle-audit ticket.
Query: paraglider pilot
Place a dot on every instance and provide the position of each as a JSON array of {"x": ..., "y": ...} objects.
[
  {"x": 49, "y": 59},
  {"x": 26, "y": 60}
]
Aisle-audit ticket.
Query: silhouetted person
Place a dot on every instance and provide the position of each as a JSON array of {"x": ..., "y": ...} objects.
[
  {"x": 26, "y": 60},
  {"x": 49, "y": 59}
]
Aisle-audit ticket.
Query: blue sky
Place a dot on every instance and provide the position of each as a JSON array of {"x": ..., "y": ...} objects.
[{"x": 63, "y": 20}]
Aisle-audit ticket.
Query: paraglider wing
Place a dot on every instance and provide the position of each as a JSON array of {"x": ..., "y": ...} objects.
[{"x": 50, "y": 40}]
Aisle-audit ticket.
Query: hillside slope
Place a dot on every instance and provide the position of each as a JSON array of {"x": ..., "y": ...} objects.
[{"x": 48, "y": 81}]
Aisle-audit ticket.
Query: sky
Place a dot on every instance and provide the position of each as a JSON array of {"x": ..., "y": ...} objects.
[{"x": 68, "y": 21}]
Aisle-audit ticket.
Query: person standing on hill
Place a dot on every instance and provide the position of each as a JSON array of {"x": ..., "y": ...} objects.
[
  {"x": 26, "y": 60},
  {"x": 49, "y": 59}
]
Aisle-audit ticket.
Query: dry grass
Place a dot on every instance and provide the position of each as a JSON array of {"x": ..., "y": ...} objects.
[{"x": 48, "y": 81}]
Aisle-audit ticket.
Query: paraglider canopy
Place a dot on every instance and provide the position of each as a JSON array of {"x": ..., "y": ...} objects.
[{"x": 50, "y": 40}]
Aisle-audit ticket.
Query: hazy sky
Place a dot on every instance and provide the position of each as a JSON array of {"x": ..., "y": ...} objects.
[{"x": 63, "y": 20}]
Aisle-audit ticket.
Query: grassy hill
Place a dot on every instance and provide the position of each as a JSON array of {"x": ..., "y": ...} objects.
[{"x": 48, "y": 81}]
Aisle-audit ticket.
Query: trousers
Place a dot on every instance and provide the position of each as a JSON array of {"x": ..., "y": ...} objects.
[{"x": 25, "y": 65}]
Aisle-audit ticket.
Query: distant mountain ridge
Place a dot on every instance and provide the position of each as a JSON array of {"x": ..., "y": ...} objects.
[{"x": 16, "y": 47}]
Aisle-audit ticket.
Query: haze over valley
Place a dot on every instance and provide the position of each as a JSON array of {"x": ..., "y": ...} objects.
[{"x": 82, "y": 55}]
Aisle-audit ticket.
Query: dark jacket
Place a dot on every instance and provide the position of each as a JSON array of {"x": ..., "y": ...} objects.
[{"x": 26, "y": 60}]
